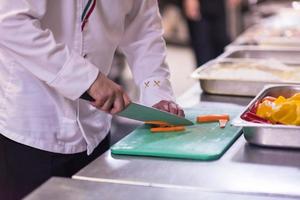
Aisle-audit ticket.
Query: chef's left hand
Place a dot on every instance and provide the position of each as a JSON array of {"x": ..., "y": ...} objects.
[{"x": 169, "y": 106}]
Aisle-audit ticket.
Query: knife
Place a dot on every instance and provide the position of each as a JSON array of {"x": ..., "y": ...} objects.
[{"x": 143, "y": 113}]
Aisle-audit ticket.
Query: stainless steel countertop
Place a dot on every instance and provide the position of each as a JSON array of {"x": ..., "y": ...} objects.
[
  {"x": 243, "y": 169},
  {"x": 62, "y": 189}
]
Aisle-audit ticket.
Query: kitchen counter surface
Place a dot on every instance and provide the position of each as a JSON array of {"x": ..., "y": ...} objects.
[
  {"x": 244, "y": 169},
  {"x": 62, "y": 189}
]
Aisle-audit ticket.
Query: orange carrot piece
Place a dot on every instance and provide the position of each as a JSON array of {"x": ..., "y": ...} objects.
[
  {"x": 212, "y": 117},
  {"x": 158, "y": 123},
  {"x": 167, "y": 129},
  {"x": 222, "y": 123}
]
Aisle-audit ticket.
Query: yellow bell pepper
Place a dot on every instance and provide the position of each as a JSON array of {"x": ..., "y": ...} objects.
[
  {"x": 296, "y": 97},
  {"x": 281, "y": 110},
  {"x": 284, "y": 114},
  {"x": 280, "y": 100},
  {"x": 265, "y": 109}
]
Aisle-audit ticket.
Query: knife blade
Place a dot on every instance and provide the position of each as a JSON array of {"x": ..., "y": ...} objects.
[{"x": 143, "y": 113}]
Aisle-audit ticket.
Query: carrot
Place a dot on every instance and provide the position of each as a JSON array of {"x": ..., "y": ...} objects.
[
  {"x": 212, "y": 117},
  {"x": 222, "y": 123},
  {"x": 158, "y": 123},
  {"x": 167, "y": 129}
]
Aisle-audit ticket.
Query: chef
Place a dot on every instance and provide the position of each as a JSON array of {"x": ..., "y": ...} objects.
[{"x": 52, "y": 53}]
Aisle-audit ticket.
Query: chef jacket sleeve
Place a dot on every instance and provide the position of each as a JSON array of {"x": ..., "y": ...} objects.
[
  {"x": 145, "y": 50},
  {"x": 23, "y": 38}
]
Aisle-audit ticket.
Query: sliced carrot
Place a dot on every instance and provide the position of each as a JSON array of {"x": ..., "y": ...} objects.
[
  {"x": 212, "y": 117},
  {"x": 167, "y": 129},
  {"x": 158, "y": 123},
  {"x": 222, "y": 123}
]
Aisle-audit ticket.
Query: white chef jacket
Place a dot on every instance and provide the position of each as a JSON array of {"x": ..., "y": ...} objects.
[{"x": 47, "y": 63}]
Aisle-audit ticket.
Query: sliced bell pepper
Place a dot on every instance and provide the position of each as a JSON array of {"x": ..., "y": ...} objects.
[
  {"x": 282, "y": 110},
  {"x": 268, "y": 98},
  {"x": 251, "y": 117},
  {"x": 296, "y": 97},
  {"x": 265, "y": 109}
]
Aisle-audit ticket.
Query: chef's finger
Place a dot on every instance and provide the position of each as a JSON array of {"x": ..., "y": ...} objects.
[
  {"x": 99, "y": 101},
  {"x": 118, "y": 104},
  {"x": 157, "y": 106},
  {"x": 181, "y": 112},
  {"x": 165, "y": 107},
  {"x": 173, "y": 108},
  {"x": 107, "y": 106},
  {"x": 162, "y": 105},
  {"x": 126, "y": 99}
]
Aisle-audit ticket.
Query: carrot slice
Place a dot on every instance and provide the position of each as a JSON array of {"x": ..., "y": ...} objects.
[
  {"x": 222, "y": 123},
  {"x": 158, "y": 123},
  {"x": 167, "y": 129},
  {"x": 212, "y": 118}
]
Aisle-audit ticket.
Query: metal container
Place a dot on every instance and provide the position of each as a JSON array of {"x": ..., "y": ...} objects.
[
  {"x": 247, "y": 39},
  {"x": 279, "y": 41},
  {"x": 272, "y": 135},
  {"x": 283, "y": 29},
  {"x": 287, "y": 55},
  {"x": 244, "y": 39},
  {"x": 215, "y": 85}
]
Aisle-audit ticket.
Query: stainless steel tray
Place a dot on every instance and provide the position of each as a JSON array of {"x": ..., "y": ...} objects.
[
  {"x": 272, "y": 41},
  {"x": 230, "y": 87},
  {"x": 285, "y": 55},
  {"x": 280, "y": 30},
  {"x": 268, "y": 134},
  {"x": 279, "y": 41},
  {"x": 244, "y": 39}
]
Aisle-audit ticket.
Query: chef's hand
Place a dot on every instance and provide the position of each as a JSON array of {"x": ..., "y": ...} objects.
[
  {"x": 192, "y": 9},
  {"x": 169, "y": 106},
  {"x": 109, "y": 96},
  {"x": 234, "y": 3}
]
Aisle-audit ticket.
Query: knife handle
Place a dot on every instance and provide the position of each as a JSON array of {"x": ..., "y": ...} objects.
[{"x": 87, "y": 97}]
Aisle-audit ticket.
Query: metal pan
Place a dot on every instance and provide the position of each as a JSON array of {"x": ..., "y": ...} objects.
[
  {"x": 284, "y": 136},
  {"x": 250, "y": 39},
  {"x": 280, "y": 30},
  {"x": 228, "y": 86},
  {"x": 285, "y": 55}
]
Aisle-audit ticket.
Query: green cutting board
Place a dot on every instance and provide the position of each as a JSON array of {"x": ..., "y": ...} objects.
[{"x": 204, "y": 141}]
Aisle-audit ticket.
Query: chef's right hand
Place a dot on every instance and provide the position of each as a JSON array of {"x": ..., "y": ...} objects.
[
  {"x": 192, "y": 9},
  {"x": 109, "y": 96}
]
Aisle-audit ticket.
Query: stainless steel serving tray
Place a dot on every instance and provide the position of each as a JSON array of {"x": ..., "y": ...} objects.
[
  {"x": 279, "y": 41},
  {"x": 268, "y": 134},
  {"x": 276, "y": 30},
  {"x": 246, "y": 40},
  {"x": 287, "y": 55},
  {"x": 227, "y": 86}
]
